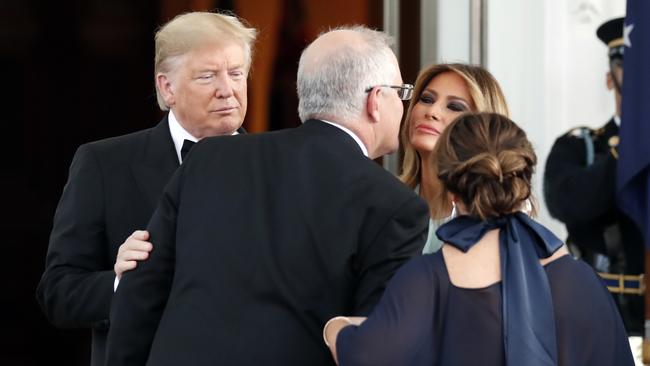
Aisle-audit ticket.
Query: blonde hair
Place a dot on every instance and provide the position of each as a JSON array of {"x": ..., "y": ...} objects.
[
  {"x": 191, "y": 30},
  {"x": 486, "y": 160},
  {"x": 486, "y": 95}
]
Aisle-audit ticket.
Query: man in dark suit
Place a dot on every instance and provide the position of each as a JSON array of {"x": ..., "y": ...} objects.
[
  {"x": 252, "y": 257},
  {"x": 580, "y": 190},
  {"x": 202, "y": 63}
]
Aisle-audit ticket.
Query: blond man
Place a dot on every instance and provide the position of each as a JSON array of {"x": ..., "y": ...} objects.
[{"x": 201, "y": 66}]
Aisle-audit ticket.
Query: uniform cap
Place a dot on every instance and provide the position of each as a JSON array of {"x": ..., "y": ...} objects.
[{"x": 611, "y": 34}]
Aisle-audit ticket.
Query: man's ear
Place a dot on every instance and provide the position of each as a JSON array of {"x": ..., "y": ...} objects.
[
  {"x": 372, "y": 104},
  {"x": 609, "y": 80},
  {"x": 164, "y": 85}
]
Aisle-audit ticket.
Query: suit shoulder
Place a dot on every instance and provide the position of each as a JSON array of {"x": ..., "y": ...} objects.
[
  {"x": 387, "y": 182},
  {"x": 118, "y": 145},
  {"x": 240, "y": 142},
  {"x": 120, "y": 141},
  {"x": 389, "y": 178}
]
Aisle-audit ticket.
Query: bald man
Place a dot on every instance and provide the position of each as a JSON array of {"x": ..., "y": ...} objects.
[{"x": 251, "y": 258}]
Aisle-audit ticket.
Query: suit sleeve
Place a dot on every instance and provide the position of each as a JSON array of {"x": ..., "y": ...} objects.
[
  {"x": 142, "y": 295},
  {"x": 575, "y": 193},
  {"x": 398, "y": 240},
  {"x": 76, "y": 287},
  {"x": 401, "y": 324}
]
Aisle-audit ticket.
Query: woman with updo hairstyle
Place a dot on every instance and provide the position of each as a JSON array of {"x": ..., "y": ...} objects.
[
  {"x": 442, "y": 92},
  {"x": 502, "y": 291},
  {"x": 491, "y": 177}
]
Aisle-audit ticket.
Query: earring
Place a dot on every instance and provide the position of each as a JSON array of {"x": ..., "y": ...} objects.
[
  {"x": 454, "y": 212},
  {"x": 528, "y": 207}
]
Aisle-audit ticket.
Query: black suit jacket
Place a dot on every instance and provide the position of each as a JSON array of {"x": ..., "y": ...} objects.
[
  {"x": 251, "y": 258},
  {"x": 112, "y": 190}
]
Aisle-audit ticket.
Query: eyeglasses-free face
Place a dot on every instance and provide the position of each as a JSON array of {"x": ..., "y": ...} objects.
[{"x": 404, "y": 91}]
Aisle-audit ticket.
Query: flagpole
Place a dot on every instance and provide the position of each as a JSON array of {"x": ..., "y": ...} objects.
[{"x": 646, "y": 333}]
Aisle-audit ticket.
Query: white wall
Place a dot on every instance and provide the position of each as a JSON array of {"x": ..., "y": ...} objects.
[
  {"x": 552, "y": 68},
  {"x": 546, "y": 57}
]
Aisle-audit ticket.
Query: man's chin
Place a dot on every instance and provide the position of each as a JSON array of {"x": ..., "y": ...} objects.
[{"x": 225, "y": 126}]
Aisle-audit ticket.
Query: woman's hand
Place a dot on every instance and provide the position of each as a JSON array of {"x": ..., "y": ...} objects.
[{"x": 333, "y": 327}]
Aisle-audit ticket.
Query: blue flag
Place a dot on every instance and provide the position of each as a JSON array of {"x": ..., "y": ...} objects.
[{"x": 633, "y": 175}]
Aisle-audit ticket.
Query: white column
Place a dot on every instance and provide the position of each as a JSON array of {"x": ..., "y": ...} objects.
[{"x": 391, "y": 26}]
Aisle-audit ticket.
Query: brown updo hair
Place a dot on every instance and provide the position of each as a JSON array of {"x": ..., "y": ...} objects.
[{"x": 486, "y": 160}]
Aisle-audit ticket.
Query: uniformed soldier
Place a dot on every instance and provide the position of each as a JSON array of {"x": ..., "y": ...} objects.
[{"x": 579, "y": 188}]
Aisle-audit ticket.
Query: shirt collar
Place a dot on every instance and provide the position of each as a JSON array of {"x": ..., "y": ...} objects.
[
  {"x": 355, "y": 137},
  {"x": 179, "y": 134},
  {"x": 617, "y": 120}
]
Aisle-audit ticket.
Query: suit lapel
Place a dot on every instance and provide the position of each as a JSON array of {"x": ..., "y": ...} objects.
[{"x": 155, "y": 163}]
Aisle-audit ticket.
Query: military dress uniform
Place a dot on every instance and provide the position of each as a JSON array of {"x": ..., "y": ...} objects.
[{"x": 580, "y": 191}]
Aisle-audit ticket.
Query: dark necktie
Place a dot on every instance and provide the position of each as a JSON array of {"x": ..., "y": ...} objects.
[
  {"x": 187, "y": 146},
  {"x": 528, "y": 318}
]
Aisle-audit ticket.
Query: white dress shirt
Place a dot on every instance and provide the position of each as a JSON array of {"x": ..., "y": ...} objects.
[{"x": 179, "y": 134}]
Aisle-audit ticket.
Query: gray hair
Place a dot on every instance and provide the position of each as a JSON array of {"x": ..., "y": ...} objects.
[
  {"x": 336, "y": 86},
  {"x": 188, "y": 31}
]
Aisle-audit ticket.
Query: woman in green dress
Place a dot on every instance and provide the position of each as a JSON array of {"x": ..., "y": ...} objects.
[{"x": 442, "y": 92}]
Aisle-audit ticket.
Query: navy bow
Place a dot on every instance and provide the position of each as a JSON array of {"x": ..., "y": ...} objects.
[{"x": 528, "y": 319}]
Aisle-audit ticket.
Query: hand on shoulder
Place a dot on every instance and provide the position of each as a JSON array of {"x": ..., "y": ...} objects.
[{"x": 135, "y": 248}]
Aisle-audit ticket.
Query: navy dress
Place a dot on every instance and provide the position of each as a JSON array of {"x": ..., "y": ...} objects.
[{"x": 423, "y": 319}]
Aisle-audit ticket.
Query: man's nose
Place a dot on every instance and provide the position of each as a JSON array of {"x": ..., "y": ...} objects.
[{"x": 224, "y": 86}]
